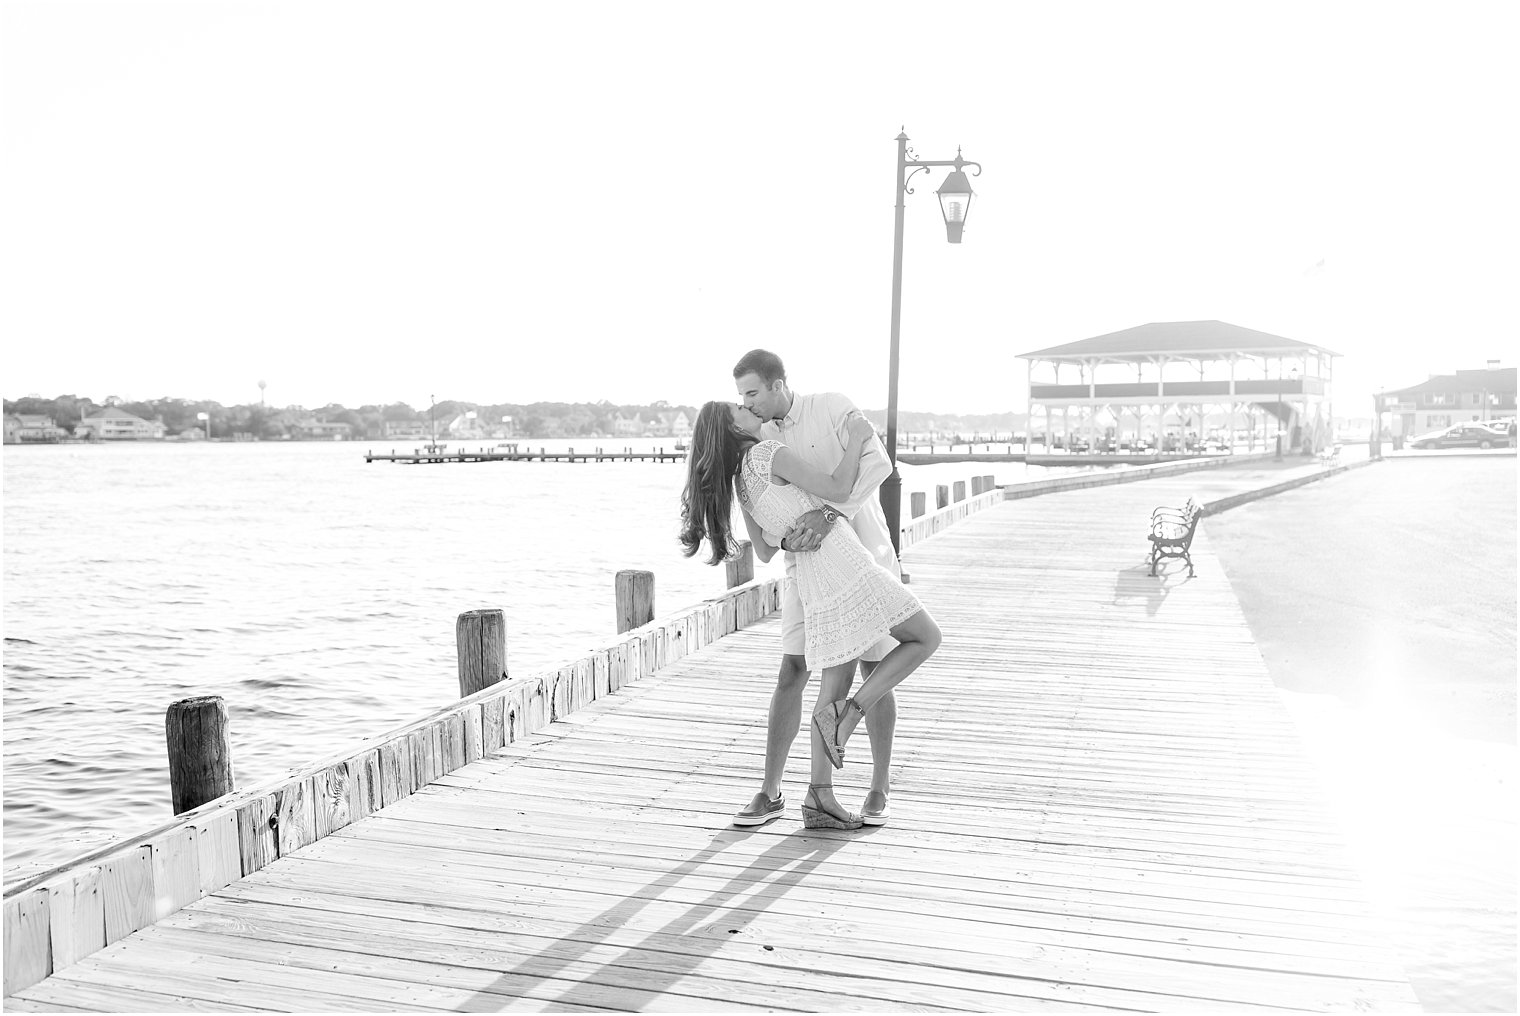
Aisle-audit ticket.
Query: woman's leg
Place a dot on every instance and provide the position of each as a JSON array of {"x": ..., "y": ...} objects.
[
  {"x": 918, "y": 637},
  {"x": 833, "y": 686}
]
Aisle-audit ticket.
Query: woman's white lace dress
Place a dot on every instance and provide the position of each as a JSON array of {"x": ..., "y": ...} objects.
[{"x": 849, "y": 602}]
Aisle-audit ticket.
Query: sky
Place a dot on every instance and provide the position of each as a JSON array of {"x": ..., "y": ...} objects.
[{"x": 505, "y": 202}]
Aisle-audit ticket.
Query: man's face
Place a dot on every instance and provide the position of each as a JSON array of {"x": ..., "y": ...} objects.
[{"x": 766, "y": 402}]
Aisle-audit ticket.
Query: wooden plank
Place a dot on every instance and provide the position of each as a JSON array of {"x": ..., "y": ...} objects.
[
  {"x": 126, "y": 882},
  {"x": 28, "y": 945},
  {"x": 176, "y": 871},
  {"x": 472, "y": 717},
  {"x": 257, "y": 845},
  {"x": 493, "y": 724},
  {"x": 397, "y": 779},
  {"x": 50, "y": 996},
  {"x": 76, "y": 916},
  {"x": 218, "y": 860}
]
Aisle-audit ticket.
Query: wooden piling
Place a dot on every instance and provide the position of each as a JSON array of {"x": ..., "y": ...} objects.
[
  {"x": 635, "y": 598},
  {"x": 200, "y": 751},
  {"x": 480, "y": 639},
  {"x": 941, "y": 496},
  {"x": 741, "y": 567},
  {"x": 960, "y": 490},
  {"x": 976, "y": 485},
  {"x": 916, "y": 502}
]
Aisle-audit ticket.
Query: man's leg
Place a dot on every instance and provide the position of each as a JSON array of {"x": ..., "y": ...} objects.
[
  {"x": 784, "y": 719},
  {"x": 881, "y": 728}
]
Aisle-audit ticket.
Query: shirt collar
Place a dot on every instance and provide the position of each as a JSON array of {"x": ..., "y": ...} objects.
[{"x": 793, "y": 415}]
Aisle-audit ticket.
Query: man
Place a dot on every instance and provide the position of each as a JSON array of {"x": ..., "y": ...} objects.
[{"x": 813, "y": 427}]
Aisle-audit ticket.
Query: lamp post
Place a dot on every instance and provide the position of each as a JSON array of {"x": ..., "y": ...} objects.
[
  {"x": 1375, "y": 441},
  {"x": 955, "y": 202}
]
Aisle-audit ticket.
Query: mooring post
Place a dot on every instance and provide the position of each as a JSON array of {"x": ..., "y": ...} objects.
[
  {"x": 741, "y": 567},
  {"x": 200, "y": 751},
  {"x": 480, "y": 639},
  {"x": 941, "y": 495},
  {"x": 916, "y": 502},
  {"x": 960, "y": 490},
  {"x": 635, "y": 598}
]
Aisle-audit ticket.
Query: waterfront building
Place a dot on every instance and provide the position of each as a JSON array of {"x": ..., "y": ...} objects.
[
  {"x": 113, "y": 424},
  {"x": 627, "y": 426},
  {"x": 406, "y": 430},
  {"x": 465, "y": 426},
  {"x": 1445, "y": 399},
  {"x": 1181, "y": 385},
  {"x": 31, "y": 428},
  {"x": 313, "y": 429},
  {"x": 675, "y": 423}
]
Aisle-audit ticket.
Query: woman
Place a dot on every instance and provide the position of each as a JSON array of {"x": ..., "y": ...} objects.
[{"x": 849, "y": 601}]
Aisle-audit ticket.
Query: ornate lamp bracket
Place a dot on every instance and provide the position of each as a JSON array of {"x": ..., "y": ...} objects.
[{"x": 913, "y": 164}]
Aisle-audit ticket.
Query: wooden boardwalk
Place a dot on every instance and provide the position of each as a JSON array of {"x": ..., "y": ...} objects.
[{"x": 1100, "y": 803}]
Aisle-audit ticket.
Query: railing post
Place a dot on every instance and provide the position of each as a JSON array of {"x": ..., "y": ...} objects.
[
  {"x": 941, "y": 495},
  {"x": 480, "y": 639},
  {"x": 916, "y": 502},
  {"x": 960, "y": 490},
  {"x": 741, "y": 567},
  {"x": 635, "y": 598},
  {"x": 200, "y": 751}
]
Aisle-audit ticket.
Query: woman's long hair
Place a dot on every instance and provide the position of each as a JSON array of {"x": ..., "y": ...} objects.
[{"x": 712, "y": 463}]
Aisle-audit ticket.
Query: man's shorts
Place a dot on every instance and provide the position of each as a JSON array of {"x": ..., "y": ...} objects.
[{"x": 794, "y": 631}]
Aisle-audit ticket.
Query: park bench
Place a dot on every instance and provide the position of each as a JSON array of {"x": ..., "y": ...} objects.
[{"x": 1172, "y": 533}]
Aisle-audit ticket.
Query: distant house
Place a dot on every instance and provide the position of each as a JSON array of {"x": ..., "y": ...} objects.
[
  {"x": 113, "y": 424},
  {"x": 313, "y": 429},
  {"x": 406, "y": 430},
  {"x": 678, "y": 422},
  {"x": 27, "y": 428},
  {"x": 627, "y": 426},
  {"x": 1445, "y": 399},
  {"x": 465, "y": 425}
]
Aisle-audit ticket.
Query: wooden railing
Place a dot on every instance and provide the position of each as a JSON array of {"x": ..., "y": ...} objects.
[{"x": 59, "y": 916}]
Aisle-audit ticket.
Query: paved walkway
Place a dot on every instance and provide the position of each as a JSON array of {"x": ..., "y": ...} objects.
[{"x": 1100, "y": 803}]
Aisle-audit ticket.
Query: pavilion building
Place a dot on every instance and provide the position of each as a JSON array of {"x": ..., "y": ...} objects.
[{"x": 1180, "y": 386}]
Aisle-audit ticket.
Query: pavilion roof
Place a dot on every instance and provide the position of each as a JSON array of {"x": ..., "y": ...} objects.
[{"x": 1202, "y": 338}]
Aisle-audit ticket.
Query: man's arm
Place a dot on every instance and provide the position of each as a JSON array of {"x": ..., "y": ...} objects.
[{"x": 875, "y": 467}]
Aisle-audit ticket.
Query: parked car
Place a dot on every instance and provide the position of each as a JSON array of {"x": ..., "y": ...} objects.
[{"x": 1460, "y": 435}]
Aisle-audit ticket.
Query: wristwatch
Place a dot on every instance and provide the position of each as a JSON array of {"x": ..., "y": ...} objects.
[{"x": 830, "y": 514}]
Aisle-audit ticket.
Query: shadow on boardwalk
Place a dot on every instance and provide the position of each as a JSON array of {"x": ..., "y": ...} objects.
[{"x": 728, "y": 910}]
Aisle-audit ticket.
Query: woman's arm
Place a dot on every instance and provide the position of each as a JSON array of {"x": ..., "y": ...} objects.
[
  {"x": 762, "y": 547},
  {"x": 835, "y": 486}
]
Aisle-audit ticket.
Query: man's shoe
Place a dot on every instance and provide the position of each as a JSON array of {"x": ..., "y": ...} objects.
[
  {"x": 761, "y": 810},
  {"x": 874, "y": 809}
]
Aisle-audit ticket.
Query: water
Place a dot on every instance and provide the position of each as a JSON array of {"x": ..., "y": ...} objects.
[{"x": 315, "y": 592}]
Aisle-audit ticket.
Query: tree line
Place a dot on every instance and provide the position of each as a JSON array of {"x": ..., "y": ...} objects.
[{"x": 531, "y": 420}]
